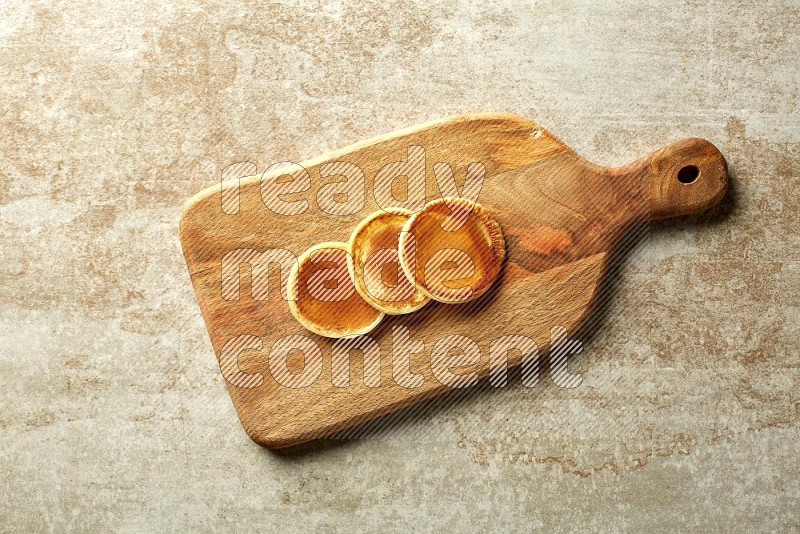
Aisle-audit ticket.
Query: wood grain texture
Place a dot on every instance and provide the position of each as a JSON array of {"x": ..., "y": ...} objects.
[{"x": 560, "y": 214}]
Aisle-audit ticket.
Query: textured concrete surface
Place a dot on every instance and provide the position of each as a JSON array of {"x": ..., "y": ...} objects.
[{"x": 114, "y": 414}]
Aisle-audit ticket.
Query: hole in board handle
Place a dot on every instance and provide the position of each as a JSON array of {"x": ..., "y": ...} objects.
[{"x": 688, "y": 174}]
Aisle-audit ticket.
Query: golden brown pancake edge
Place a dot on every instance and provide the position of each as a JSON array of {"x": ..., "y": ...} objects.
[
  {"x": 361, "y": 236},
  {"x": 308, "y": 323},
  {"x": 485, "y": 219}
]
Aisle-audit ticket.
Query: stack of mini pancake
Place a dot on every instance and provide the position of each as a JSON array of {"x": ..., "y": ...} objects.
[{"x": 396, "y": 262}]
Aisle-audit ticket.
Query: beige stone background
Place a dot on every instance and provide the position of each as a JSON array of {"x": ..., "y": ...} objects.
[{"x": 113, "y": 413}]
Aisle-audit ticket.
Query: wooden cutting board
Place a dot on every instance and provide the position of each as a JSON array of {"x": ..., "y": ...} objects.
[{"x": 561, "y": 216}]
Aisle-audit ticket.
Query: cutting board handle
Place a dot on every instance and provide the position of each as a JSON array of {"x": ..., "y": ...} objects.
[{"x": 685, "y": 177}]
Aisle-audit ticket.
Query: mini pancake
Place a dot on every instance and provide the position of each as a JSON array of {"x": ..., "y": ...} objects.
[
  {"x": 322, "y": 296},
  {"x": 453, "y": 248},
  {"x": 375, "y": 266}
]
